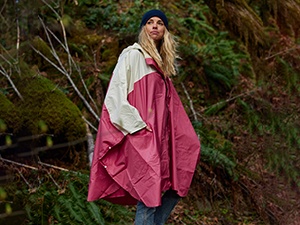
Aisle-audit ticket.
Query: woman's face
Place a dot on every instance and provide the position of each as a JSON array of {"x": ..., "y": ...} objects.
[{"x": 155, "y": 28}]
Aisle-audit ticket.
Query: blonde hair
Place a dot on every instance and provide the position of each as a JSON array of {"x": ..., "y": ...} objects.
[{"x": 164, "y": 56}]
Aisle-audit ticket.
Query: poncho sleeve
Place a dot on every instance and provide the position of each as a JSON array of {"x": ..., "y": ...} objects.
[{"x": 124, "y": 116}]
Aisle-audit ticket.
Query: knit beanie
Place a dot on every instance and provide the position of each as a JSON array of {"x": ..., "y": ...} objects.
[{"x": 152, "y": 13}]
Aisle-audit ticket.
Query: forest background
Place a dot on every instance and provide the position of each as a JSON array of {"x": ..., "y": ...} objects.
[{"x": 238, "y": 80}]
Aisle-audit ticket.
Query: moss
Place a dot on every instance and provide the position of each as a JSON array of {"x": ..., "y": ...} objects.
[
  {"x": 109, "y": 55},
  {"x": 9, "y": 114},
  {"x": 44, "y": 104},
  {"x": 42, "y": 46},
  {"x": 44, "y": 49}
]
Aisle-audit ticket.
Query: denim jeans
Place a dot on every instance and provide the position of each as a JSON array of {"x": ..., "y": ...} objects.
[{"x": 156, "y": 215}]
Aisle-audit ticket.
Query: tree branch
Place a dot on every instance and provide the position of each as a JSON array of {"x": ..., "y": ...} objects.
[
  {"x": 52, "y": 166},
  {"x": 63, "y": 71},
  {"x": 282, "y": 52},
  {"x": 233, "y": 98},
  {"x": 5, "y": 73},
  {"x": 190, "y": 101},
  {"x": 89, "y": 123},
  {"x": 18, "y": 164},
  {"x": 71, "y": 61}
]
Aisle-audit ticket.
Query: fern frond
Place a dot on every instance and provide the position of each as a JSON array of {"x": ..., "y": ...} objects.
[
  {"x": 214, "y": 109},
  {"x": 216, "y": 158},
  {"x": 95, "y": 213}
]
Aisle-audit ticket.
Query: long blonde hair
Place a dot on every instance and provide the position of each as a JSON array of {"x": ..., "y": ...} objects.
[{"x": 165, "y": 56}]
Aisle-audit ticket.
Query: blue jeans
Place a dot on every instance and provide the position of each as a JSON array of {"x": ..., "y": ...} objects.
[{"x": 156, "y": 215}]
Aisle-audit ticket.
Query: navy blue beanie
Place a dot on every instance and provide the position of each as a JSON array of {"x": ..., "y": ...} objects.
[{"x": 152, "y": 13}]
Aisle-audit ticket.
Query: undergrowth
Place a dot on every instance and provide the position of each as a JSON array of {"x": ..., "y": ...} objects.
[{"x": 62, "y": 199}]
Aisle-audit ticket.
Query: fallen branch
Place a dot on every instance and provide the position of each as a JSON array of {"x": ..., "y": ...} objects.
[
  {"x": 18, "y": 164},
  {"x": 36, "y": 169},
  {"x": 233, "y": 98},
  {"x": 282, "y": 52},
  {"x": 52, "y": 166},
  {"x": 25, "y": 180}
]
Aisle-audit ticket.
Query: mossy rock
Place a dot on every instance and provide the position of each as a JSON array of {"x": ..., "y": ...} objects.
[
  {"x": 46, "y": 109},
  {"x": 9, "y": 115},
  {"x": 40, "y": 45}
]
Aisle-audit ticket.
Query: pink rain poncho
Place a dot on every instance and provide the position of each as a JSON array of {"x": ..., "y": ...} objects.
[{"x": 133, "y": 164}]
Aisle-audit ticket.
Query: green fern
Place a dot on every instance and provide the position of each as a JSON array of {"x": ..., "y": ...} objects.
[
  {"x": 213, "y": 50},
  {"x": 217, "y": 159},
  {"x": 94, "y": 211},
  {"x": 214, "y": 109},
  {"x": 216, "y": 150},
  {"x": 291, "y": 77},
  {"x": 47, "y": 205}
]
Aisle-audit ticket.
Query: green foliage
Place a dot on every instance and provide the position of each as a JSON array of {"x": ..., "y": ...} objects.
[
  {"x": 252, "y": 117},
  {"x": 123, "y": 20},
  {"x": 106, "y": 16},
  {"x": 214, "y": 51},
  {"x": 282, "y": 149},
  {"x": 217, "y": 159},
  {"x": 216, "y": 150},
  {"x": 290, "y": 75},
  {"x": 66, "y": 203},
  {"x": 214, "y": 109},
  {"x": 9, "y": 114},
  {"x": 280, "y": 133},
  {"x": 82, "y": 3}
]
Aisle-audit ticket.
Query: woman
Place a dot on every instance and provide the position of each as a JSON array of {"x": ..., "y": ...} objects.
[{"x": 145, "y": 144}]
